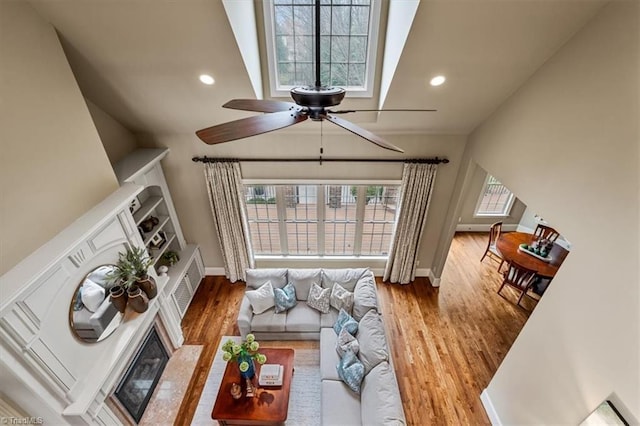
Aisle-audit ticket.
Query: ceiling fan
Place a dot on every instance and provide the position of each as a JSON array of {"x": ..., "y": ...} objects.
[{"x": 310, "y": 102}]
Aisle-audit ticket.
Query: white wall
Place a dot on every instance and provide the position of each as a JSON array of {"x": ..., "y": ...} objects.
[
  {"x": 53, "y": 167},
  {"x": 190, "y": 196},
  {"x": 116, "y": 139},
  {"x": 579, "y": 113}
]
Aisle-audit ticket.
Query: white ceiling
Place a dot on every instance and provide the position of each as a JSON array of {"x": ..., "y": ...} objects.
[{"x": 139, "y": 60}]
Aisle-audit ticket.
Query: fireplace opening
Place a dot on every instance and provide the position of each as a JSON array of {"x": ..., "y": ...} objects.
[{"x": 142, "y": 376}]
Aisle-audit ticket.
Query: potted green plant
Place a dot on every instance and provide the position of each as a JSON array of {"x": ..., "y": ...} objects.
[
  {"x": 138, "y": 261},
  {"x": 170, "y": 258},
  {"x": 121, "y": 277}
]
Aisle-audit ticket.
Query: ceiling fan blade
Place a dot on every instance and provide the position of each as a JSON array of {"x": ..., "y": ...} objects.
[
  {"x": 260, "y": 105},
  {"x": 250, "y": 126},
  {"x": 346, "y": 111},
  {"x": 362, "y": 133}
]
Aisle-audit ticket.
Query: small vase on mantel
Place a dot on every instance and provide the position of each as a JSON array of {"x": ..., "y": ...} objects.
[
  {"x": 148, "y": 284},
  {"x": 137, "y": 299},
  {"x": 118, "y": 298}
]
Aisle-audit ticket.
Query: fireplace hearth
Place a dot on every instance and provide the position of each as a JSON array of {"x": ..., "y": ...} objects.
[{"x": 142, "y": 376}]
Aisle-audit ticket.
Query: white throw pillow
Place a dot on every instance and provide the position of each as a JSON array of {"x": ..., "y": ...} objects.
[
  {"x": 341, "y": 298},
  {"x": 262, "y": 298},
  {"x": 346, "y": 341},
  {"x": 319, "y": 298},
  {"x": 92, "y": 295}
]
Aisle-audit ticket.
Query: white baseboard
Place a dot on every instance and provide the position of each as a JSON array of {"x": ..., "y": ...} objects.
[
  {"x": 489, "y": 408},
  {"x": 214, "y": 270},
  {"x": 472, "y": 227},
  {"x": 435, "y": 282}
]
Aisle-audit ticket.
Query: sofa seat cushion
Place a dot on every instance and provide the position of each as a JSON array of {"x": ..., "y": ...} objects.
[
  {"x": 302, "y": 318},
  {"x": 364, "y": 297},
  {"x": 302, "y": 280},
  {"x": 380, "y": 396},
  {"x": 328, "y": 355},
  {"x": 328, "y": 319},
  {"x": 340, "y": 406},
  {"x": 269, "y": 321},
  {"x": 257, "y": 277},
  {"x": 372, "y": 340},
  {"x": 346, "y": 277}
]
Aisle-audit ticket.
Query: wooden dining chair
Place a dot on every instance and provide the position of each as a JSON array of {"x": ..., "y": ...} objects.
[
  {"x": 520, "y": 278},
  {"x": 491, "y": 250},
  {"x": 545, "y": 232}
]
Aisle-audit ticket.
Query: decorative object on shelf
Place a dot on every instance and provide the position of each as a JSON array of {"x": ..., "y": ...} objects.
[
  {"x": 158, "y": 240},
  {"x": 137, "y": 299},
  {"x": 135, "y": 205},
  {"x": 531, "y": 252},
  {"x": 170, "y": 257},
  {"x": 162, "y": 270},
  {"x": 236, "y": 391},
  {"x": 148, "y": 224},
  {"x": 118, "y": 298},
  {"x": 244, "y": 354}
]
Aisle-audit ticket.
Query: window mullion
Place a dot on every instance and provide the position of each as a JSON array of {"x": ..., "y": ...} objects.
[
  {"x": 321, "y": 205},
  {"x": 361, "y": 201},
  {"x": 282, "y": 213}
]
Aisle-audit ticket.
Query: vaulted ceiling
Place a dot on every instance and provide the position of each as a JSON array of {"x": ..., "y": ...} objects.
[{"x": 139, "y": 60}]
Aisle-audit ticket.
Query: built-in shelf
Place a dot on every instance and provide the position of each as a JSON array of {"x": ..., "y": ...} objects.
[{"x": 146, "y": 209}]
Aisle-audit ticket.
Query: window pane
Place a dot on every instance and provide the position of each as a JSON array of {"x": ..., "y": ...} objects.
[
  {"x": 262, "y": 216},
  {"x": 284, "y": 48},
  {"x": 340, "y": 20},
  {"x": 339, "y": 49},
  {"x": 304, "y": 48},
  {"x": 301, "y": 218},
  {"x": 286, "y": 73},
  {"x": 359, "y": 20},
  {"x": 496, "y": 198},
  {"x": 283, "y": 20},
  {"x": 303, "y": 21},
  {"x": 358, "y": 49},
  {"x": 340, "y": 219},
  {"x": 379, "y": 219},
  {"x": 339, "y": 74},
  {"x": 356, "y": 75}
]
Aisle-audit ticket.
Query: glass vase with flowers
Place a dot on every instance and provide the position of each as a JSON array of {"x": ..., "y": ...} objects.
[{"x": 244, "y": 353}]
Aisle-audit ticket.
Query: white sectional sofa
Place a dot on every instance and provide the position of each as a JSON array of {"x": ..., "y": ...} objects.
[{"x": 379, "y": 401}]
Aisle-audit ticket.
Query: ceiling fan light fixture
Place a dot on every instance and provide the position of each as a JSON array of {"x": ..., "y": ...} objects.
[
  {"x": 206, "y": 79},
  {"x": 438, "y": 80}
]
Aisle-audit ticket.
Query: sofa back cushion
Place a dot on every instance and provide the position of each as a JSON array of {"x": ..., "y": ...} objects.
[
  {"x": 346, "y": 277},
  {"x": 380, "y": 398},
  {"x": 364, "y": 297},
  {"x": 257, "y": 277},
  {"x": 372, "y": 340},
  {"x": 302, "y": 280}
]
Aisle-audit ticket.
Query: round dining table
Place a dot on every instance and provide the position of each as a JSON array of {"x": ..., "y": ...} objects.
[{"x": 508, "y": 245}]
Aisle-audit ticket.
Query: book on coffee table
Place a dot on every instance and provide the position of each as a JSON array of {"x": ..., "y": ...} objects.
[{"x": 270, "y": 375}]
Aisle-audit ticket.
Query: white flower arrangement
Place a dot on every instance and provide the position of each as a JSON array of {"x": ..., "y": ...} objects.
[{"x": 232, "y": 351}]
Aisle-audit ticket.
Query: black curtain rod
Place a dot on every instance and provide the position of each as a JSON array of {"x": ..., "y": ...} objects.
[{"x": 435, "y": 160}]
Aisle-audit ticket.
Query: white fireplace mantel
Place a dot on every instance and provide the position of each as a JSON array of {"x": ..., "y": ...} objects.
[{"x": 38, "y": 349}]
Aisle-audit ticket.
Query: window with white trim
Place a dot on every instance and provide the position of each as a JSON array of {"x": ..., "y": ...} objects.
[
  {"x": 495, "y": 199},
  {"x": 321, "y": 219},
  {"x": 348, "y": 44}
]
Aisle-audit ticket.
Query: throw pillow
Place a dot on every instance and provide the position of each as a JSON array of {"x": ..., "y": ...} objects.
[
  {"x": 351, "y": 371},
  {"x": 285, "y": 298},
  {"x": 92, "y": 295},
  {"x": 319, "y": 298},
  {"x": 345, "y": 342},
  {"x": 341, "y": 298},
  {"x": 372, "y": 340},
  {"x": 262, "y": 298},
  {"x": 345, "y": 321}
]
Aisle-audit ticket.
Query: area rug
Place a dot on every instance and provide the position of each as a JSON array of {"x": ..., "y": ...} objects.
[{"x": 304, "y": 400}]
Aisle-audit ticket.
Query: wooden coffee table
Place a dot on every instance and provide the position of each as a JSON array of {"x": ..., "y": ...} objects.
[{"x": 268, "y": 407}]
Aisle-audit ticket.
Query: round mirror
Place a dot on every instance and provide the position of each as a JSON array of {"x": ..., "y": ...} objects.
[{"x": 92, "y": 316}]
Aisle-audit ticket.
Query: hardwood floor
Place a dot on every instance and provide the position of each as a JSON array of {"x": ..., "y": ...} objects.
[{"x": 446, "y": 342}]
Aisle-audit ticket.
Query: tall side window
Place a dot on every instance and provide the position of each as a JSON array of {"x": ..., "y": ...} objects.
[
  {"x": 319, "y": 220},
  {"x": 495, "y": 199}
]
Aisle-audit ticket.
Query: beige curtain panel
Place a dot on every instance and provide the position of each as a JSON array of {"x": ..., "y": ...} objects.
[
  {"x": 415, "y": 194},
  {"x": 229, "y": 215}
]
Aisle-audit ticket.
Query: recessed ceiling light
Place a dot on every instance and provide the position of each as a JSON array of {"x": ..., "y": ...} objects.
[
  {"x": 438, "y": 80},
  {"x": 207, "y": 79}
]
